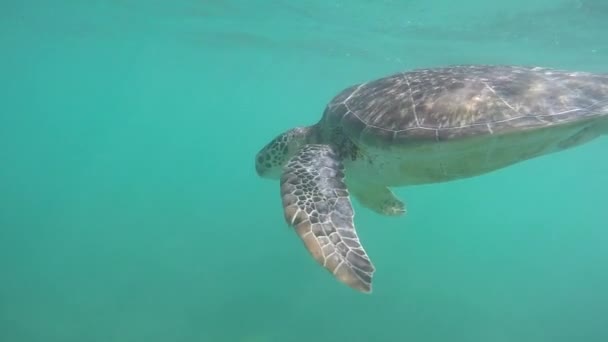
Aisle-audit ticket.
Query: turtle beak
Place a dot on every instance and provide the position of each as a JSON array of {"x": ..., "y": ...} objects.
[
  {"x": 266, "y": 172},
  {"x": 259, "y": 169}
]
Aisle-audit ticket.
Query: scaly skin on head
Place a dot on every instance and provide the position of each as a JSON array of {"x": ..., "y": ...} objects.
[{"x": 271, "y": 158}]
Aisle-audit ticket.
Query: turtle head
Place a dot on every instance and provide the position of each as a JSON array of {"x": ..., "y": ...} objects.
[{"x": 271, "y": 158}]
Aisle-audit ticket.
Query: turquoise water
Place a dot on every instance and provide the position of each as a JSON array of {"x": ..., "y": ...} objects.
[{"x": 130, "y": 209}]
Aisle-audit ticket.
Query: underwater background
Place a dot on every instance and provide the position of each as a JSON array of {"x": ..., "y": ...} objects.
[{"x": 130, "y": 209}]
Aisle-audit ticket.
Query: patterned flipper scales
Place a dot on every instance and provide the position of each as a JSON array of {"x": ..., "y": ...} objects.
[{"x": 317, "y": 205}]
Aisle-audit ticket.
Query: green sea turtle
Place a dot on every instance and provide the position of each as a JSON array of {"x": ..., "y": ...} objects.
[{"x": 417, "y": 127}]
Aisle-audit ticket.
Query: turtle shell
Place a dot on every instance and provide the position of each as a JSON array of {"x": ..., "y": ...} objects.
[{"x": 465, "y": 101}]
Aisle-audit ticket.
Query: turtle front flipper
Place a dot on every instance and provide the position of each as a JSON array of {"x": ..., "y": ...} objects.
[{"x": 317, "y": 204}]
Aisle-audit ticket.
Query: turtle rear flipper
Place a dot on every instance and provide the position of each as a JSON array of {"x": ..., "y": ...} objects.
[
  {"x": 317, "y": 204},
  {"x": 376, "y": 197}
]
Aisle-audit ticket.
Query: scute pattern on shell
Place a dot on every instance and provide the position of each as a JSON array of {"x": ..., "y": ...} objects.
[{"x": 460, "y": 101}]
